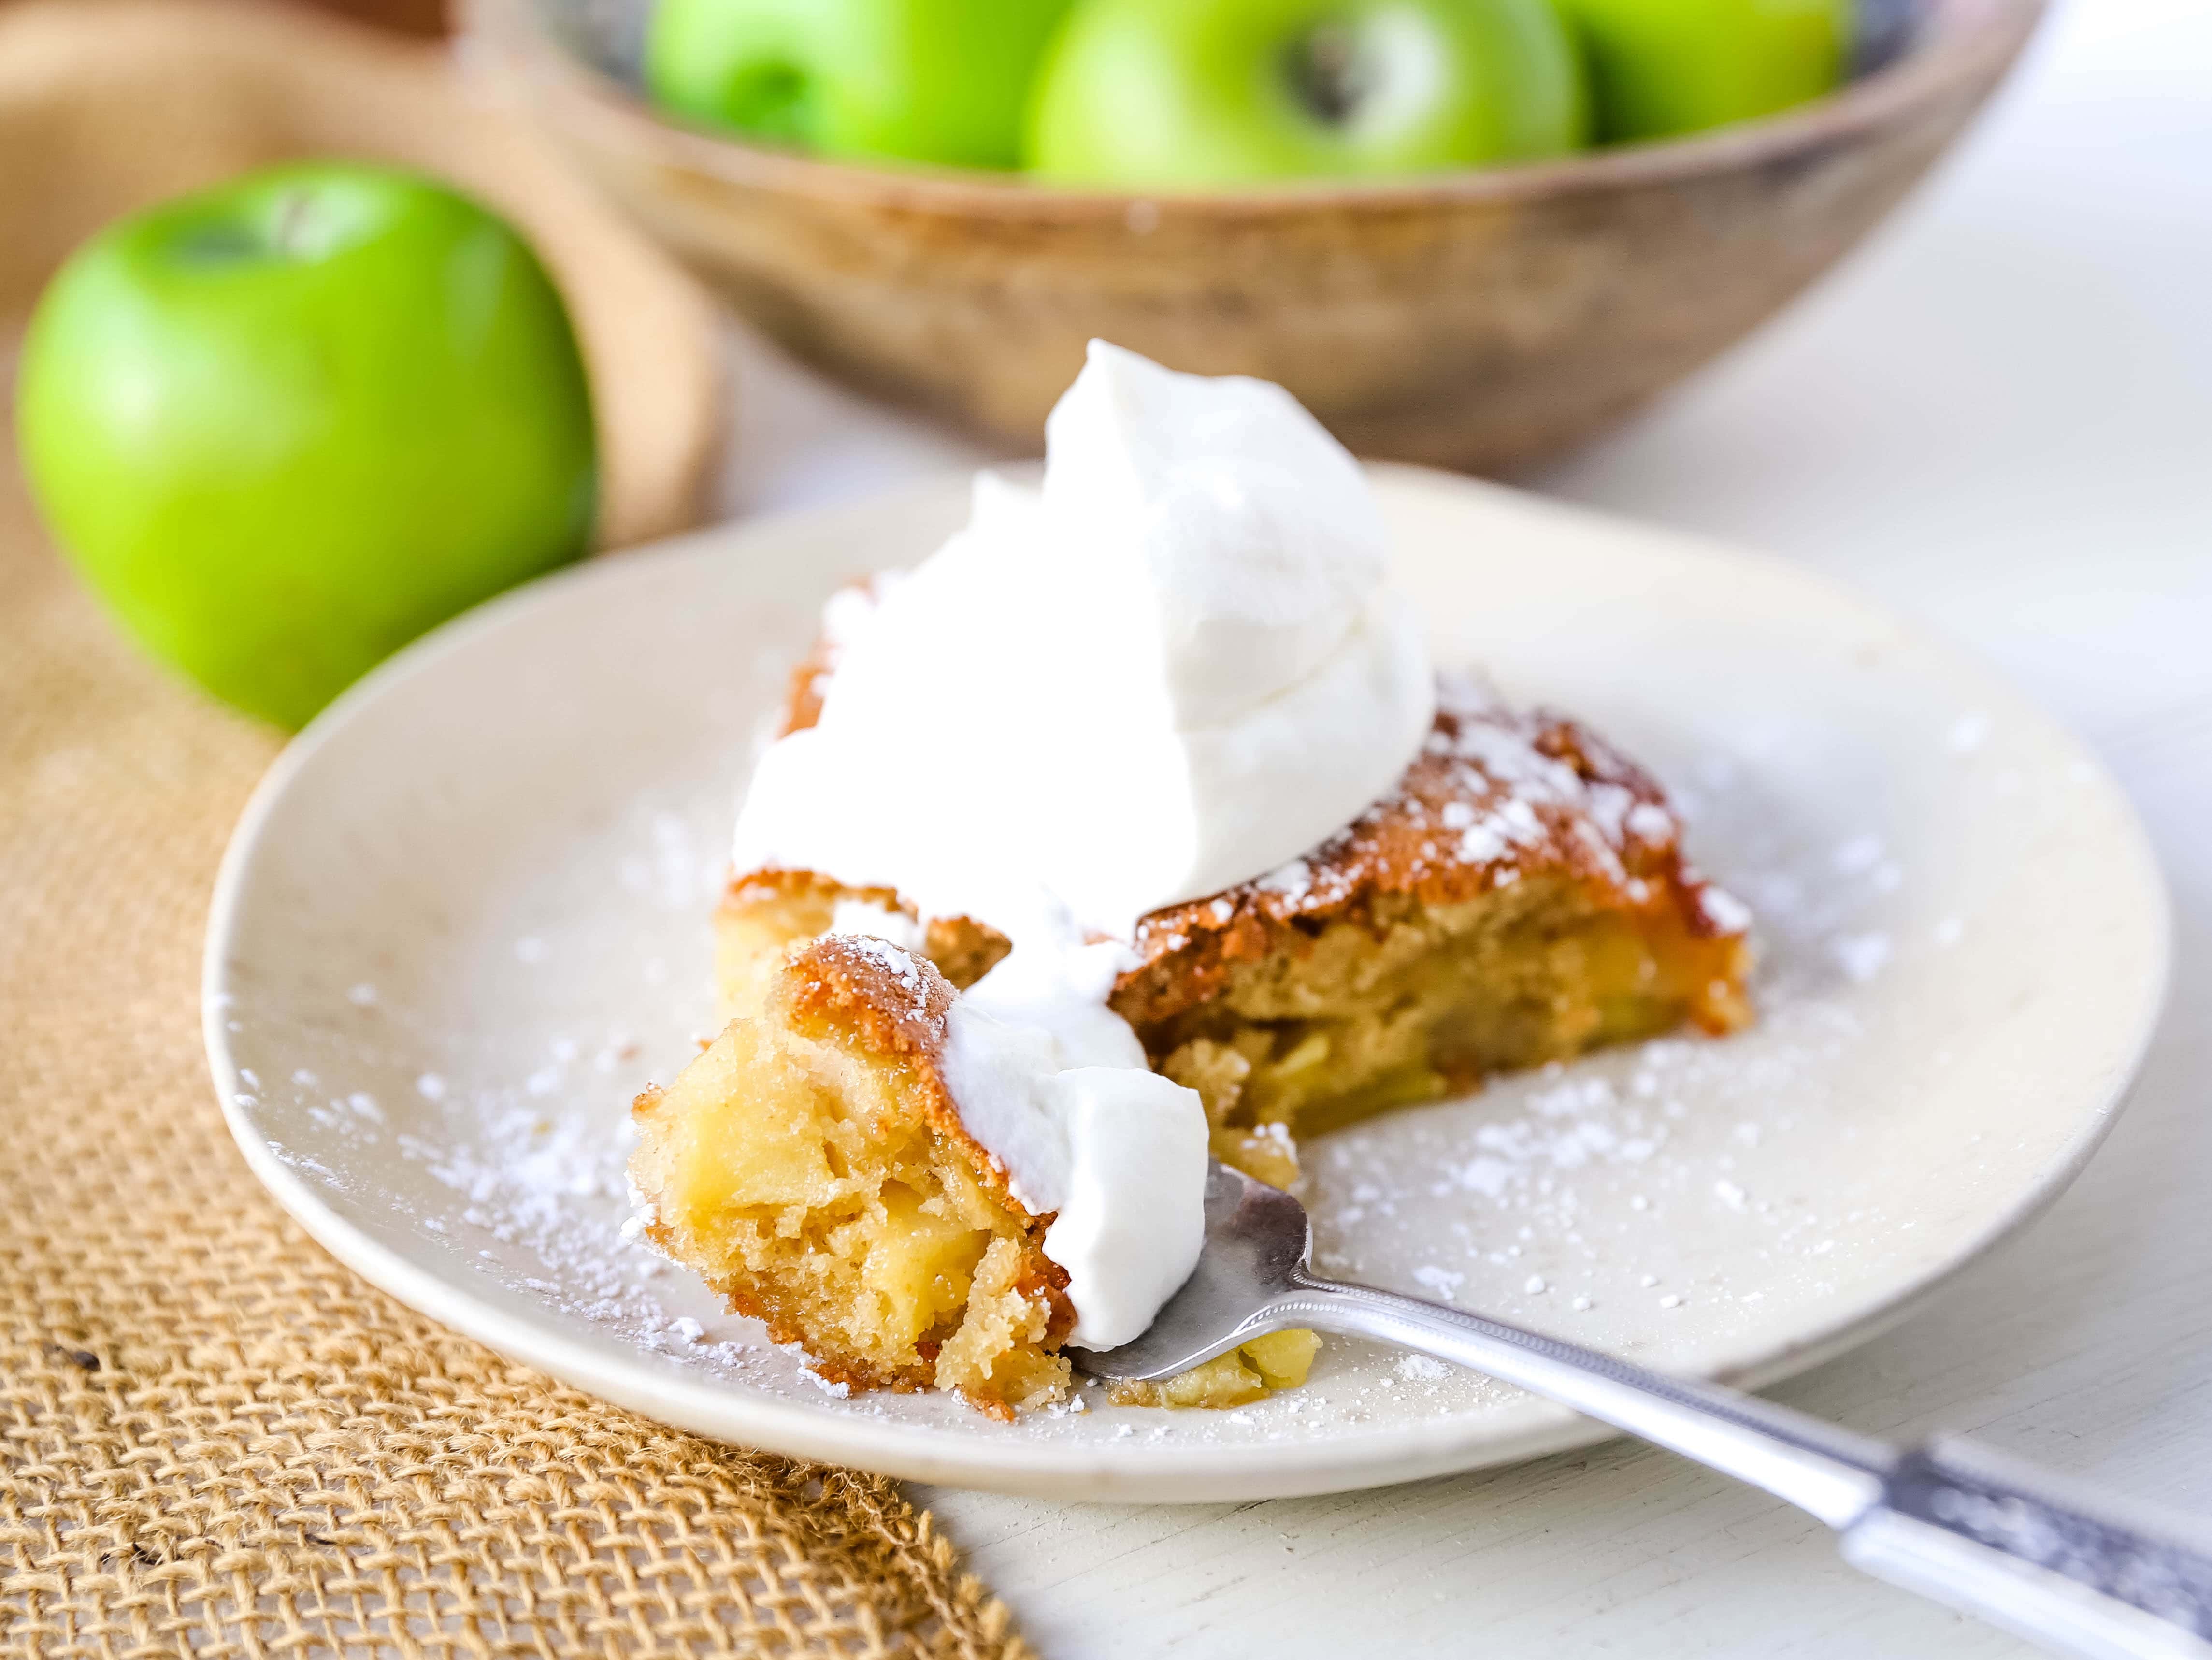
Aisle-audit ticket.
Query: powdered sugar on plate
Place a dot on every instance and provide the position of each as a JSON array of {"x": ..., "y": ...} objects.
[
  {"x": 501, "y": 784},
  {"x": 1558, "y": 1198}
]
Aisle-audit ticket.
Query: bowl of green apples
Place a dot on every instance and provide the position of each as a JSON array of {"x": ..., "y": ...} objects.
[{"x": 1468, "y": 233}]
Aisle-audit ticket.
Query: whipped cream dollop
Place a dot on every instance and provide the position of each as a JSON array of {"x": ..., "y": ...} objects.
[{"x": 1170, "y": 668}]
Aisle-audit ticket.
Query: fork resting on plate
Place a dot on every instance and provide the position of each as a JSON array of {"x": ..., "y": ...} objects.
[{"x": 1983, "y": 1534}]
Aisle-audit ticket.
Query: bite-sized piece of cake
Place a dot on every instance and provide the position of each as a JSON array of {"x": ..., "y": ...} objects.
[
  {"x": 812, "y": 1167},
  {"x": 1521, "y": 896}
]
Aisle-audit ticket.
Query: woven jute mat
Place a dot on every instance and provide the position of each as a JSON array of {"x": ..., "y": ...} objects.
[{"x": 213, "y": 1439}]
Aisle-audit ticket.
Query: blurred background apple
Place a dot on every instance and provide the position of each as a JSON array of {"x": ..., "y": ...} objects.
[
  {"x": 1658, "y": 68},
  {"x": 286, "y": 429},
  {"x": 943, "y": 81},
  {"x": 287, "y": 425},
  {"x": 1191, "y": 93}
]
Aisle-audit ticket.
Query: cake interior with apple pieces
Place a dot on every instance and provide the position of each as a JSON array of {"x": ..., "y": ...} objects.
[
  {"x": 813, "y": 1166},
  {"x": 1520, "y": 897},
  {"x": 1134, "y": 826}
]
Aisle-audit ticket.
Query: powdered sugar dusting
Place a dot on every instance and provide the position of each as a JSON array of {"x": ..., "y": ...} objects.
[
  {"x": 1494, "y": 792},
  {"x": 1569, "y": 1197},
  {"x": 1724, "y": 910},
  {"x": 897, "y": 965},
  {"x": 1561, "y": 1198}
]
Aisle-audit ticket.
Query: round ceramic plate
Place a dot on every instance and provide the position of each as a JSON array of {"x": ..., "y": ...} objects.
[{"x": 465, "y": 921}]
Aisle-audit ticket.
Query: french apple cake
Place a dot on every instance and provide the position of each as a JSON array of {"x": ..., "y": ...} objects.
[{"x": 1520, "y": 897}]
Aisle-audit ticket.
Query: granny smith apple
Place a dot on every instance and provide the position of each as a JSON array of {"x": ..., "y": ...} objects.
[
  {"x": 1194, "y": 93},
  {"x": 1663, "y": 67},
  {"x": 944, "y": 81},
  {"x": 287, "y": 425}
]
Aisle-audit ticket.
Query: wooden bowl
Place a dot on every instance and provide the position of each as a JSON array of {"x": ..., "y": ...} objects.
[{"x": 1482, "y": 320}]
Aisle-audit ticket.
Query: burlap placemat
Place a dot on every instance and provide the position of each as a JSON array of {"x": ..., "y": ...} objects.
[
  {"x": 108, "y": 105},
  {"x": 213, "y": 1439}
]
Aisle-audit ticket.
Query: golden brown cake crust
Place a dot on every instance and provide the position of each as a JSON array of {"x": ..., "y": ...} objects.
[
  {"x": 803, "y": 903},
  {"x": 809, "y": 677},
  {"x": 1495, "y": 795},
  {"x": 802, "y": 702},
  {"x": 876, "y": 992}
]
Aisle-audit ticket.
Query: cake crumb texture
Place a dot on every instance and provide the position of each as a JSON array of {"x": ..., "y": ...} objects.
[{"x": 810, "y": 1167}]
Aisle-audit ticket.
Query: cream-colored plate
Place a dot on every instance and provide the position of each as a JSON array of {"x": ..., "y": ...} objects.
[{"x": 465, "y": 920}]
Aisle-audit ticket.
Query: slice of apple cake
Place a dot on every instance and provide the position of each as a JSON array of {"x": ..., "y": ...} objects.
[
  {"x": 1521, "y": 896},
  {"x": 812, "y": 1166}
]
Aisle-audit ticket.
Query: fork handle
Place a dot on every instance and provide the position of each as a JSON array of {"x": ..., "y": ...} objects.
[
  {"x": 1995, "y": 1538},
  {"x": 1984, "y": 1536}
]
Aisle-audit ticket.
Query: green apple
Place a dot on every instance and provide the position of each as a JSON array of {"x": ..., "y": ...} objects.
[
  {"x": 1170, "y": 94},
  {"x": 1663, "y": 67},
  {"x": 286, "y": 425},
  {"x": 943, "y": 81}
]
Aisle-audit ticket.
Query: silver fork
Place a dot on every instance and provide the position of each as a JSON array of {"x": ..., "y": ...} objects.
[{"x": 1984, "y": 1535}]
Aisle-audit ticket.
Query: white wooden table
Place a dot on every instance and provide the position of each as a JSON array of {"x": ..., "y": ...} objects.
[{"x": 1998, "y": 418}]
